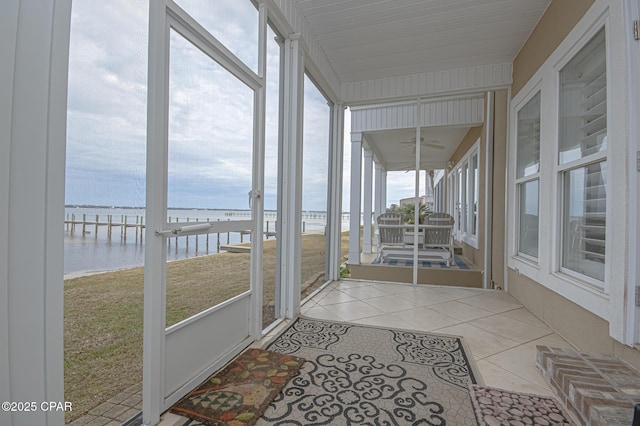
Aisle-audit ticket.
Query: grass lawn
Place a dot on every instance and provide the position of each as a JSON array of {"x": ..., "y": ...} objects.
[{"x": 103, "y": 314}]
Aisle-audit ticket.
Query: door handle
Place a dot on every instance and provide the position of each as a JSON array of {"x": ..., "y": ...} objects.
[{"x": 253, "y": 194}]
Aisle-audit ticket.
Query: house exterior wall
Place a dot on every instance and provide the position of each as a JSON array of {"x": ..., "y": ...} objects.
[
  {"x": 592, "y": 318},
  {"x": 560, "y": 18},
  {"x": 581, "y": 328},
  {"x": 498, "y": 178},
  {"x": 475, "y": 255}
]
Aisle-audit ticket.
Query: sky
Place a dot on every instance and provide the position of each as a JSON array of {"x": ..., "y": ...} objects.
[{"x": 210, "y": 113}]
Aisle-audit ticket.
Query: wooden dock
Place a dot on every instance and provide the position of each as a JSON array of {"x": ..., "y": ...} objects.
[{"x": 87, "y": 224}]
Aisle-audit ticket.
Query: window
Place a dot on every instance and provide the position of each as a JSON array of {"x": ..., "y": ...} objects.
[
  {"x": 528, "y": 176},
  {"x": 465, "y": 187},
  {"x": 582, "y": 160}
]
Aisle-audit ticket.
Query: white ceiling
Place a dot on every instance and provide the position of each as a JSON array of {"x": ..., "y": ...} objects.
[
  {"x": 396, "y": 148},
  {"x": 375, "y": 39},
  {"x": 369, "y": 39}
]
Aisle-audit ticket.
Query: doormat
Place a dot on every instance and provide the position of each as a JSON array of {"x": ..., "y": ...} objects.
[
  {"x": 501, "y": 407},
  {"x": 239, "y": 393},
  {"x": 359, "y": 375}
]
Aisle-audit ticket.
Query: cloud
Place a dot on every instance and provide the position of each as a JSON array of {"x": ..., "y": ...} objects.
[{"x": 210, "y": 112}]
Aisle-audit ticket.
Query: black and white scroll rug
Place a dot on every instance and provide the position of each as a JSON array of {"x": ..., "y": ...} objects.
[{"x": 362, "y": 375}]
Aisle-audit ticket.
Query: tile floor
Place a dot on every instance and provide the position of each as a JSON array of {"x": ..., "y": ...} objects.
[{"x": 501, "y": 334}]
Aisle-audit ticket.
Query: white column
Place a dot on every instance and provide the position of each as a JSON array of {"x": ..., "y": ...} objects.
[
  {"x": 378, "y": 202},
  {"x": 153, "y": 362},
  {"x": 354, "y": 206},
  {"x": 367, "y": 200},
  {"x": 291, "y": 185},
  {"x": 383, "y": 196},
  {"x": 258, "y": 181},
  {"x": 34, "y": 48},
  {"x": 334, "y": 214}
]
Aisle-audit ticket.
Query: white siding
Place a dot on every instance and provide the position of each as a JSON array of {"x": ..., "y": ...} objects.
[
  {"x": 449, "y": 112},
  {"x": 479, "y": 78}
]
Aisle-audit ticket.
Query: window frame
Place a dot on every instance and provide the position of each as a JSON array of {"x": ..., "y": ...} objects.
[
  {"x": 462, "y": 193},
  {"x": 562, "y": 169},
  {"x": 522, "y": 181},
  {"x": 546, "y": 273}
]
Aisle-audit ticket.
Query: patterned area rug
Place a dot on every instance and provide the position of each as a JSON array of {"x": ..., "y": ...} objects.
[
  {"x": 495, "y": 407},
  {"x": 239, "y": 393},
  {"x": 459, "y": 263},
  {"x": 361, "y": 375}
]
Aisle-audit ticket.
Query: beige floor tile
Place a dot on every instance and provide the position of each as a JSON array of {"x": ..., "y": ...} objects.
[
  {"x": 307, "y": 306},
  {"x": 391, "y": 288},
  {"x": 426, "y": 319},
  {"x": 552, "y": 340},
  {"x": 453, "y": 293},
  {"x": 481, "y": 342},
  {"x": 387, "y": 320},
  {"x": 497, "y": 377},
  {"x": 423, "y": 297},
  {"x": 335, "y": 296},
  {"x": 460, "y": 310},
  {"x": 345, "y": 284},
  {"x": 363, "y": 293},
  {"x": 391, "y": 303},
  {"x": 353, "y": 310},
  {"x": 320, "y": 312},
  {"x": 504, "y": 326},
  {"x": 520, "y": 361},
  {"x": 524, "y": 315},
  {"x": 493, "y": 301}
]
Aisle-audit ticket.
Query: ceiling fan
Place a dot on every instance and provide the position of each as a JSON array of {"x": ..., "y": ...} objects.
[{"x": 429, "y": 144}]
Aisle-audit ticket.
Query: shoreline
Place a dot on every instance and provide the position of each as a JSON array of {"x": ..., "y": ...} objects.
[{"x": 81, "y": 274}]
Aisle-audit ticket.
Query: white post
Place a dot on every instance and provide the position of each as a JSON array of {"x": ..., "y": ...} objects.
[
  {"x": 354, "y": 210},
  {"x": 258, "y": 182},
  {"x": 416, "y": 211},
  {"x": 291, "y": 184},
  {"x": 34, "y": 48},
  {"x": 368, "y": 192},
  {"x": 488, "y": 184},
  {"x": 155, "y": 245},
  {"x": 378, "y": 201},
  {"x": 334, "y": 215},
  {"x": 383, "y": 193}
]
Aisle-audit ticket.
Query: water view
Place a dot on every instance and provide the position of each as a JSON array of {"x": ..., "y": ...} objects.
[{"x": 89, "y": 248}]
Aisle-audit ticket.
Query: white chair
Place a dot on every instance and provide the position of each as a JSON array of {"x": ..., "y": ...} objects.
[
  {"x": 438, "y": 237},
  {"x": 440, "y": 219},
  {"x": 390, "y": 235}
]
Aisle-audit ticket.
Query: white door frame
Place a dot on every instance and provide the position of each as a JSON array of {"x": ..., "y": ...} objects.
[
  {"x": 632, "y": 335},
  {"x": 169, "y": 372}
]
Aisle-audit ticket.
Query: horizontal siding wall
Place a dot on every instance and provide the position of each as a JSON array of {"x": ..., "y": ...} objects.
[
  {"x": 448, "y": 112},
  {"x": 479, "y": 78}
]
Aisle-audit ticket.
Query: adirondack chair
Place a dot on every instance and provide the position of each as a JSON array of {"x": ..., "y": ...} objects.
[
  {"x": 390, "y": 235},
  {"x": 438, "y": 237}
]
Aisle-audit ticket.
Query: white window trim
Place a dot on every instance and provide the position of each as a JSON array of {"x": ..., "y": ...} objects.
[
  {"x": 601, "y": 302},
  {"x": 465, "y": 235},
  {"x": 519, "y": 182}
]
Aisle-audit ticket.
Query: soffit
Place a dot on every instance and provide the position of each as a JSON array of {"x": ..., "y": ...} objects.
[
  {"x": 371, "y": 39},
  {"x": 396, "y": 149}
]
